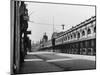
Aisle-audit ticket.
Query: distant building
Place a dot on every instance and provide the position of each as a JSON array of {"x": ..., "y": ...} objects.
[
  {"x": 45, "y": 38},
  {"x": 80, "y": 39},
  {"x": 55, "y": 34}
]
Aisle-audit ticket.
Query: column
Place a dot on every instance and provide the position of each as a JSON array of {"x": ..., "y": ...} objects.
[
  {"x": 81, "y": 45},
  {"x": 93, "y": 47},
  {"x": 86, "y": 50},
  {"x": 92, "y": 51}
]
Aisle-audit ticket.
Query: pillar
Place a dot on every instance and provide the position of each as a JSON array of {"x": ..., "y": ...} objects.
[
  {"x": 86, "y": 47},
  {"x": 92, "y": 51}
]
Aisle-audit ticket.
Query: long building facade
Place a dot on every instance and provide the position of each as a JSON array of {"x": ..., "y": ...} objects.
[
  {"x": 20, "y": 42},
  {"x": 80, "y": 39}
]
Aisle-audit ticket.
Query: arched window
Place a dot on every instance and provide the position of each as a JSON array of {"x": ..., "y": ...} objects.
[
  {"x": 71, "y": 36},
  {"x": 68, "y": 37},
  {"x": 74, "y": 35},
  {"x": 83, "y": 33},
  {"x": 64, "y": 38},
  {"x": 89, "y": 31},
  {"x": 95, "y": 29},
  {"x": 78, "y": 34}
]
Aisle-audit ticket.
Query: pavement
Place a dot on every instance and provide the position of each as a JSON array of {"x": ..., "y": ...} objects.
[
  {"x": 34, "y": 64},
  {"x": 40, "y": 62}
]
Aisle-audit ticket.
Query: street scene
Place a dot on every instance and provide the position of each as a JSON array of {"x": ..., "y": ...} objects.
[{"x": 52, "y": 37}]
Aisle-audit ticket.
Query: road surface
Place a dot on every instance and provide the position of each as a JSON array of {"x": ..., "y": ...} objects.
[{"x": 38, "y": 62}]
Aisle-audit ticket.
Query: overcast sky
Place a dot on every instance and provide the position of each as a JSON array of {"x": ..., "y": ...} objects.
[{"x": 42, "y": 16}]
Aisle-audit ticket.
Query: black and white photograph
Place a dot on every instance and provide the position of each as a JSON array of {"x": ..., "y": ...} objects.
[{"x": 52, "y": 37}]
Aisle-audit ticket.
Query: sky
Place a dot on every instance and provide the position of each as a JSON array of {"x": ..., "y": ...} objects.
[{"x": 42, "y": 16}]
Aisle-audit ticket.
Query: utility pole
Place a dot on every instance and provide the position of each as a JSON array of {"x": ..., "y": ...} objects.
[
  {"x": 53, "y": 24},
  {"x": 53, "y": 38}
]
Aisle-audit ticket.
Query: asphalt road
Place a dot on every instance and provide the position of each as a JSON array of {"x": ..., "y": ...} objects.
[{"x": 37, "y": 62}]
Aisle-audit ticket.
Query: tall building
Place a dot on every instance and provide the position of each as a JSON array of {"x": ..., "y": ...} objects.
[{"x": 19, "y": 25}]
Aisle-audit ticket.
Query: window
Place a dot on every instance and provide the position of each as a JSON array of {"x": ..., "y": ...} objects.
[
  {"x": 95, "y": 29},
  {"x": 83, "y": 33},
  {"x": 68, "y": 37},
  {"x": 64, "y": 38},
  {"x": 74, "y": 35},
  {"x": 89, "y": 31},
  {"x": 71, "y": 36},
  {"x": 78, "y": 35}
]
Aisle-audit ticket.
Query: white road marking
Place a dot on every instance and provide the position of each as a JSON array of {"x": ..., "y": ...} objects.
[
  {"x": 55, "y": 60},
  {"x": 75, "y": 56},
  {"x": 34, "y": 53},
  {"x": 33, "y": 59}
]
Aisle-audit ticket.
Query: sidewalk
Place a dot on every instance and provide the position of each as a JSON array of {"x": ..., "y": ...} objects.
[
  {"x": 74, "y": 56},
  {"x": 77, "y": 56},
  {"x": 34, "y": 64},
  {"x": 40, "y": 62}
]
